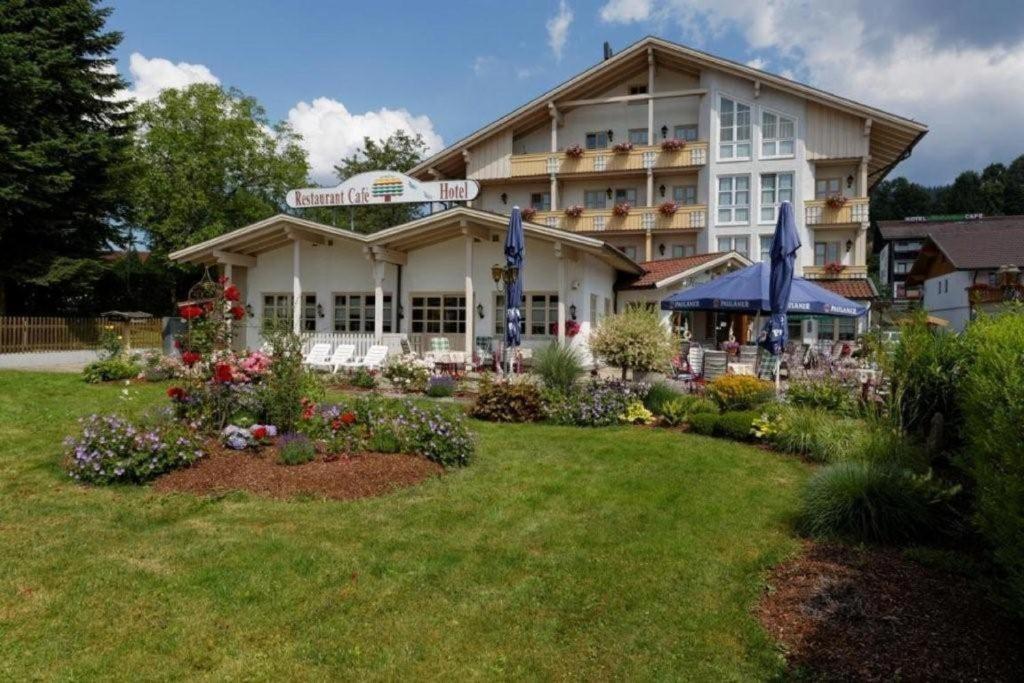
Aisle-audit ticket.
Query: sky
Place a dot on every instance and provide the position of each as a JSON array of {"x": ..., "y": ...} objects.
[{"x": 338, "y": 71}]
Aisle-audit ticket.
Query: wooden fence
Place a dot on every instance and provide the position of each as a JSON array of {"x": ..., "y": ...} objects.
[{"x": 21, "y": 334}]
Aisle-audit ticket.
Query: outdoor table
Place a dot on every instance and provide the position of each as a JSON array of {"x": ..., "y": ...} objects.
[
  {"x": 450, "y": 363},
  {"x": 741, "y": 368},
  {"x": 866, "y": 375}
]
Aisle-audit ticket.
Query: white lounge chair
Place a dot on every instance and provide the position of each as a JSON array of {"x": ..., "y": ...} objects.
[
  {"x": 374, "y": 358},
  {"x": 318, "y": 355},
  {"x": 342, "y": 354}
]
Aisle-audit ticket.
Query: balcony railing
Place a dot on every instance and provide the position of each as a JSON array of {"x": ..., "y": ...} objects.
[
  {"x": 832, "y": 273},
  {"x": 694, "y": 154},
  {"x": 817, "y": 212},
  {"x": 639, "y": 218},
  {"x": 995, "y": 294}
]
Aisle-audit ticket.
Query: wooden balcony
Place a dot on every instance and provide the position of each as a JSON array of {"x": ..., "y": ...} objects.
[
  {"x": 846, "y": 273},
  {"x": 817, "y": 213},
  {"x": 639, "y": 219},
  {"x": 693, "y": 155}
]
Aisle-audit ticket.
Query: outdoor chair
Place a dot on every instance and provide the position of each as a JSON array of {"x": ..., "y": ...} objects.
[
  {"x": 715, "y": 365},
  {"x": 374, "y": 358},
  {"x": 342, "y": 354},
  {"x": 748, "y": 354},
  {"x": 318, "y": 355}
]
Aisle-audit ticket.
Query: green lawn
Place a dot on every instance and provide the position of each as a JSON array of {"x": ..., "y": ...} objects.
[{"x": 560, "y": 553}]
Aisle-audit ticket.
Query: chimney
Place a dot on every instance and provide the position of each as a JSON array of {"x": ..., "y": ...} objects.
[{"x": 607, "y": 50}]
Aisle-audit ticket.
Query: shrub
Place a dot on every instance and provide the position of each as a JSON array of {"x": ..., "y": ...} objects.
[
  {"x": 559, "y": 366},
  {"x": 703, "y": 423},
  {"x": 634, "y": 339},
  {"x": 827, "y": 394},
  {"x": 740, "y": 392},
  {"x": 993, "y": 409},
  {"x": 598, "y": 403},
  {"x": 436, "y": 434},
  {"x": 637, "y": 414},
  {"x": 111, "y": 449},
  {"x": 875, "y": 503},
  {"x": 296, "y": 449},
  {"x": 406, "y": 373},
  {"x": 288, "y": 381},
  {"x": 673, "y": 412},
  {"x": 815, "y": 434},
  {"x": 440, "y": 386},
  {"x": 660, "y": 394},
  {"x": 111, "y": 369},
  {"x": 363, "y": 379},
  {"x": 157, "y": 367},
  {"x": 508, "y": 401},
  {"x": 735, "y": 425},
  {"x": 702, "y": 405},
  {"x": 237, "y": 437}
]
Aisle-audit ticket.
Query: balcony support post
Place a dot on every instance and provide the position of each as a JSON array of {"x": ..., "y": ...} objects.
[
  {"x": 648, "y": 246},
  {"x": 554, "y": 192},
  {"x": 650, "y": 98},
  {"x": 562, "y": 290},
  {"x": 862, "y": 183},
  {"x": 650, "y": 187}
]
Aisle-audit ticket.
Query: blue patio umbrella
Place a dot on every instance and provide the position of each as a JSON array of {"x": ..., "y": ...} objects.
[
  {"x": 515, "y": 248},
  {"x": 780, "y": 280}
]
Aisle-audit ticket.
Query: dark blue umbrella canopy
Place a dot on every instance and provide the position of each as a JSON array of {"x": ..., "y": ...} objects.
[
  {"x": 748, "y": 291},
  {"x": 780, "y": 280},
  {"x": 515, "y": 248}
]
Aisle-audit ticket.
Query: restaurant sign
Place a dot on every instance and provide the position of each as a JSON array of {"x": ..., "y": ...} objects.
[{"x": 383, "y": 187}]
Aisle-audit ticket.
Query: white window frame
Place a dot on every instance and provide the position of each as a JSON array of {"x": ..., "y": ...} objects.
[
  {"x": 827, "y": 244},
  {"x": 601, "y": 194},
  {"x": 823, "y": 194},
  {"x": 679, "y": 132},
  {"x": 638, "y": 133},
  {"x": 731, "y": 239},
  {"x": 681, "y": 194},
  {"x": 599, "y": 135},
  {"x": 283, "y": 308},
  {"x": 629, "y": 250},
  {"x": 733, "y": 144},
  {"x": 683, "y": 250},
  {"x": 777, "y": 140},
  {"x": 766, "y": 253},
  {"x": 733, "y": 206},
  {"x": 776, "y": 198},
  {"x": 549, "y": 307},
  {"x": 623, "y": 194},
  {"x": 366, "y": 311},
  {"x": 444, "y": 325},
  {"x": 499, "y": 315},
  {"x": 545, "y": 200}
]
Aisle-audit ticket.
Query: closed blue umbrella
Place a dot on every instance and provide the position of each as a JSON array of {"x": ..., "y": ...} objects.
[
  {"x": 515, "y": 248},
  {"x": 780, "y": 280}
]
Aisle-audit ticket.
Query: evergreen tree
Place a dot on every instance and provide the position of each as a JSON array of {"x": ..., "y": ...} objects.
[
  {"x": 1013, "y": 188},
  {"x": 64, "y": 142}
]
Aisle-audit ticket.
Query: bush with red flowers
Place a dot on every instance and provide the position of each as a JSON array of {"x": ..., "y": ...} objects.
[
  {"x": 237, "y": 312},
  {"x": 835, "y": 201},
  {"x": 222, "y": 372},
  {"x": 190, "y": 312},
  {"x": 622, "y": 147},
  {"x": 672, "y": 145},
  {"x": 572, "y": 328},
  {"x": 231, "y": 293},
  {"x": 190, "y": 358},
  {"x": 622, "y": 209},
  {"x": 574, "y": 151},
  {"x": 177, "y": 394},
  {"x": 529, "y": 212},
  {"x": 668, "y": 208},
  {"x": 574, "y": 211}
]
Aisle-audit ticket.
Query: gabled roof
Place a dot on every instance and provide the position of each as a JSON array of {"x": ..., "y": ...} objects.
[
  {"x": 275, "y": 232},
  {"x": 665, "y": 272},
  {"x": 892, "y": 136},
  {"x": 966, "y": 246},
  {"x": 919, "y": 229},
  {"x": 859, "y": 288}
]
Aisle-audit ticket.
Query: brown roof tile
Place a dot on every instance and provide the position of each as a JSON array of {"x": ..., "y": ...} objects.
[
  {"x": 658, "y": 270},
  {"x": 850, "y": 288},
  {"x": 905, "y": 230},
  {"x": 987, "y": 245}
]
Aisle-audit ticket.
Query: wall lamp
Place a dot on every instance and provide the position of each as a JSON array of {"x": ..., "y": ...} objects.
[
  {"x": 248, "y": 310},
  {"x": 501, "y": 274},
  {"x": 608, "y": 192},
  {"x": 319, "y": 310},
  {"x": 480, "y": 311},
  {"x": 661, "y": 190},
  {"x": 849, "y": 245},
  {"x": 661, "y": 248},
  {"x": 572, "y": 311},
  {"x": 611, "y": 135},
  {"x": 504, "y": 198},
  {"x": 664, "y": 132}
]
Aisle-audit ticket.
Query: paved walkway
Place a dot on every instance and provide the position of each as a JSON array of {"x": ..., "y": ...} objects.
[{"x": 51, "y": 361}]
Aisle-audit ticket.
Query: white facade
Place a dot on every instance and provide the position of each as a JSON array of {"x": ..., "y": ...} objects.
[{"x": 945, "y": 296}]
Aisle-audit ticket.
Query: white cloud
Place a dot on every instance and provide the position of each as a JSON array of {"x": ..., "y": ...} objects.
[
  {"x": 558, "y": 29},
  {"x": 624, "y": 11},
  {"x": 483, "y": 64},
  {"x": 952, "y": 85},
  {"x": 150, "y": 76},
  {"x": 329, "y": 132},
  {"x": 758, "y": 63}
]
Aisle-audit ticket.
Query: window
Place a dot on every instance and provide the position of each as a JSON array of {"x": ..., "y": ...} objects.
[
  {"x": 598, "y": 140},
  {"x": 766, "y": 247},
  {"x": 277, "y": 309},
  {"x": 777, "y": 134},
  {"x": 638, "y": 136},
  {"x": 626, "y": 194},
  {"x": 499, "y": 315},
  {"x": 629, "y": 251},
  {"x": 775, "y": 189},
  {"x": 439, "y": 314},
  {"x": 687, "y": 132},
  {"x": 733, "y": 130},
  {"x": 684, "y": 194},
  {"x": 683, "y": 250},
  {"x": 638, "y": 90},
  {"x": 826, "y": 329},
  {"x": 607, "y": 307},
  {"x": 594, "y": 313},
  {"x": 355, "y": 312},
  {"x": 847, "y": 328},
  {"x": 543, "y": 312},
  {"x": 595, "y": 199},
  {"x": 733, "y": 199},
  {"x": 901, "y": 267},
  {"x": 824, "y": 187},
  {"x": 541, "y": 201},
  {"x": 738, "y": 244},
  {"x": 826, "y": 252}
]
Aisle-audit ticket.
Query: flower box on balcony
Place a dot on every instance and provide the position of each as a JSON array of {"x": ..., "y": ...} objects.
[
  {"x": 574, "y": 211},
  {"x": 672, "y": 145},
  {"x": 529, "y": 212},
  {"x": 835, "y": 201},
  {"x": 622, "y": 147},
  {"x": 668, "y": 209},
  {"x": 621, "y": 209},
  {"x": 834, "y": 268},
  {"x": 574, "y": 151}
]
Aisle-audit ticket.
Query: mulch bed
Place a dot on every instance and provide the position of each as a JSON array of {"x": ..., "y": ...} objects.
[
  {"x": 842, "y": 613},
  {"x": 348, "y": 477}
]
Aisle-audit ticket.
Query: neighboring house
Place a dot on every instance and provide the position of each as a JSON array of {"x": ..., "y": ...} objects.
[
  {"x": 970, "y": 266},
  {"x": 750, "y": 140},
  {"x": 898, "y": 245}
]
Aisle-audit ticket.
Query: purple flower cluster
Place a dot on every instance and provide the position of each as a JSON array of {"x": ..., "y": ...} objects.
[
  {"x": 436, "y": 434},
  {"x": 597, "y": 404},
  {"x": 111, "y": 449}
]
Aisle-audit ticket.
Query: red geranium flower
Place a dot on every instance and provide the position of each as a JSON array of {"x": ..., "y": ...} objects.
[
  {"x": 176, "y": 393},
  {"x": 222, "y": 372},
  {"x": 259, "y": 432},
  {"x": 231, "y": 293},
  {"x": 223, "y": 279},
  {"x": 177, "y": 343},
  {"x": 237, "y": 312},
  {"x": 190, "y": 358},
  {"x": 348, "y": 417},
  {"x": 190, "y": 312}
]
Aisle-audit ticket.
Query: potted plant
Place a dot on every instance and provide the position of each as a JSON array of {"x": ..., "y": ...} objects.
[
  {"x": 574, "y": 151},
  {"x": 668, "y": 208},
  {"x": 574, "y": 211},
  {"x": 529, "y": 212},
  {"x": 621, "y": 209},
  {"x": 672, "y": 145},
  {"x": 622, "y": 147},
  {"x": 834, "y": 268},
  {"x": 835, "y": 201}
]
